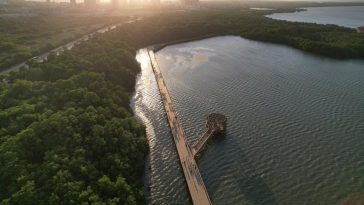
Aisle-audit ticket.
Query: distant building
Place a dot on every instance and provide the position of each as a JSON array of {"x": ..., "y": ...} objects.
[
  {"x": 189, "y": 1},
  {"x": 115, "y": 3},
  {"x": 73, "y": 2},
  {"x": 122, "y": 2},
  {"x": 90, "y": 3},
  {"x": 155, "y": 2}
]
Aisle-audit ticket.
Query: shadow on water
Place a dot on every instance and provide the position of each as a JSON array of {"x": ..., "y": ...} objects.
[{"x": 246, "y": 178}]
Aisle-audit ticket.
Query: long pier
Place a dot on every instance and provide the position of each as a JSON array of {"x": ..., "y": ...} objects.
[{"x": 191, "y": 172}]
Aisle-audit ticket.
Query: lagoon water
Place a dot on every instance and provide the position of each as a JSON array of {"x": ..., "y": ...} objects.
[
  {"x": 295, "y": 123},
  {"x": 347, "y": 16}
]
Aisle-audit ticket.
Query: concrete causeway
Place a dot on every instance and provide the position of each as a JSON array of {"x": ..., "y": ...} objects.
[{"x": 195, "y": 184}]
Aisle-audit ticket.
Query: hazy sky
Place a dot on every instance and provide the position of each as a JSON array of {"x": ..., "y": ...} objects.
[
  {"x": 234, "y": 0},
  {"x": 105, "y": 1}
]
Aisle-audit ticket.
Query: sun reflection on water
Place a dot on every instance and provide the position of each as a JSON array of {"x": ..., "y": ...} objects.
[
  {"x": 143, "y": 97},
  {"x": 143, "y": 58}
]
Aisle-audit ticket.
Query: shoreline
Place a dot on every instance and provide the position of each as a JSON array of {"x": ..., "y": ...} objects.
[
  {"x": 157, "y": 47},
  {"x": 142, "y": 120}
]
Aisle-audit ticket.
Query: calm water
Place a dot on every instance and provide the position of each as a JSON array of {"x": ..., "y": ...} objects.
[
  {"x": 295, "y": 123},
  {"x": 347, "y": 16}
]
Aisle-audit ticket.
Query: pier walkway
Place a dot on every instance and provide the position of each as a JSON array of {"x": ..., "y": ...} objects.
[
  {"x": 192, "y": 175},
  {"x": 215, "y": 125}
]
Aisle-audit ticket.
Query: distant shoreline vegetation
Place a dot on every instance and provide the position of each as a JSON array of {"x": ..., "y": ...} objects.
[{"x": 326, "y": 40}]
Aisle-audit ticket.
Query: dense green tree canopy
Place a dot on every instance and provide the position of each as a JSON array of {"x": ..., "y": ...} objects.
[
  {"x": 25, "y": 37},
  {"x": 67, "y": 135}
]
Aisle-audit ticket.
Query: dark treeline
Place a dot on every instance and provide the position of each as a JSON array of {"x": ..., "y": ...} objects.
[
  {"x": 326, "y": 40},
  {"x": 67, "y": 134}
]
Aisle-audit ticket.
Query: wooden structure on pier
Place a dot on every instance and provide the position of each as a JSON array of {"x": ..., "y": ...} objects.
[{"x": 215, "y": 125}]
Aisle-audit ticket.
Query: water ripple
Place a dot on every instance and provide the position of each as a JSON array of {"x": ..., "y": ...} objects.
[{"x": 295, "y": 123}]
